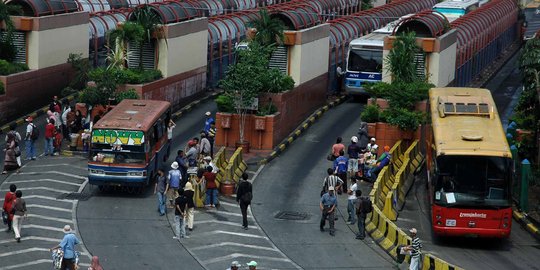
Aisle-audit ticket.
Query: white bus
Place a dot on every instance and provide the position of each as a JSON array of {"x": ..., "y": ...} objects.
[{"x": 454, "y": 9}]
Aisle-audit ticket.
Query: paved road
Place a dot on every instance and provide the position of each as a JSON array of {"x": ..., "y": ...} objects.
[
  {"x": 292, "y": 182},
  {"x": 46, "y": 184}
]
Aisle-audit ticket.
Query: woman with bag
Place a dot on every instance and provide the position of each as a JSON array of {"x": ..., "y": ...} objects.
[
  {"x": 10, "y": 156},
  {"x": 19, "y": 212},
  {"x": 9, "y": 200}
]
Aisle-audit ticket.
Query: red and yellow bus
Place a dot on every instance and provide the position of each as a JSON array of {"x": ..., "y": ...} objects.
[
  {"x": 469, "y": 165},
  {"x": 129, "y": 144}
]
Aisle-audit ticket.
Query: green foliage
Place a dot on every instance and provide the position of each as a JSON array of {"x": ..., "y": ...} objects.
[
  {"x": 81, "y": 67},
  {"x": 401, "y": 58},
  {"x": 404, "y": 118},
  {"x": 405, "y": 95},
  {"x": 224, "y": 104},
  {"x": 2, "y": 88},
  {"x": 366, "y": 4},
  {"x": 370, "y": 113},
  {"x": 8, "y": 50},
  {"x": 129, "y": 94},
  {"x": 276, "y": 82},
  {"x": 92, "y": 96},
  {"x": 148, "y": 22},
  {"x": 67, "y": 91},
  {"x": 7, "y": 68},
  {"x": 269, "y": 30},
  {"x": 267, "y": 109},
  {"x": 378, "y": 90}
]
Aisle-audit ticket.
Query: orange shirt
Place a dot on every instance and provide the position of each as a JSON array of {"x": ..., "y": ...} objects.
[{"x": 336, "y": 148}]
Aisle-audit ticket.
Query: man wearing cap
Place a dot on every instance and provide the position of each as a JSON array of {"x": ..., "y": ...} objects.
[
  {"x": 235, "y": 266},
  {"x": 252, "y": 265},
  {"x": 207, "y": 122},
  {"x": 328, "y": 205},
  {"x": 354, "y": 152},
  {"x": 189, "y": 193},
  {"x": 204, "y": 147},
  {"x": 372, "y": 146},
  {"x": 29, "y": 143},
  {"x": 415, "y": 249},
  {"x": 175, "y": 176},
  {"x": 68, "y": 247}
]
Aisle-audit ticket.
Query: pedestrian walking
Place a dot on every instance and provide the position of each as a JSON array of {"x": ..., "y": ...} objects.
[
  {"x": 354, "y": 153},
  {"x": 207, "y": 121},
  {"x": 182, "y": 166},
  {"x": 32, "y": 134},
  {"x": 415, "y": 249},
  {"x": 235, "y": 265},
  {"x": 244, "y": 195},
  {"x": 340, "y": 169},
  {"x": 159, "y": 189},
  {"x": 94, "y": 264},
  {"x": 339, "y": 75},
  {"x": 67, "y": 245},
  {"x": 212, "y": 137},
  {"x": 252, "y": 265},
  {"x": 351, "y": 201},
  {"x": 337, "y": 147},
  {"x": 328, "y": 205},
  {"x": 190, "y": 212},
  {"x": 19, "y": 212},
  {"x": 211, "y": 188},
  {"x": 9, "y": 202},
  {"x": 204, "y": 149},
  {"x": 363, "y": 137},
  {"x": 331, "y": 181},
  {"x": 173, "y": 183},
  {"x": 11, "y": 154},
  {"x": 363, "y": 207},
  {"x": 180, "y": 204},
  {"x": 18, "y": 140},
  {"x": 50, "y": 131}
]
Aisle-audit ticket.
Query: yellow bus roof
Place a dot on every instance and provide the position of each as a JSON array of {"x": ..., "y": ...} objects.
[
  {"x": 465, "y": 121},
  {"x": 534, "y": 4},
  {"x": 133, "y": 114}
]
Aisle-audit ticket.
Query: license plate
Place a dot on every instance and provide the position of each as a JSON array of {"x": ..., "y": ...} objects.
[{"x": 451, "y": 222}]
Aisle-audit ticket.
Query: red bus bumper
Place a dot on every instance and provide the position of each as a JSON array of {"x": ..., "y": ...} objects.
[{"x": 472, "y": 232}]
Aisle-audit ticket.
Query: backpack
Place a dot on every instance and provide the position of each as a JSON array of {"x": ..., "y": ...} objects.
[
  {"x": 35, "y": 133},
  {"x": 367, "y": 206},
  {"x": 247, "y": 197}
]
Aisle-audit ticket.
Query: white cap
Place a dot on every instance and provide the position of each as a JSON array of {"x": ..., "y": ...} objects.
[
  {"x": 174, "y": 165},
  {"x": 373, "y": 139},
  {"x": 209, "y": 158},
  {"x": 235, "y": 264},
  {"x": 252, "y": 263},
  {"x": 67, "y": 229},
  {"x": 330, "y": 188},
  {"x": 413, "y": 230},
  {"x": 208, "y": 113},
  {"x": 354, "y": 139}
]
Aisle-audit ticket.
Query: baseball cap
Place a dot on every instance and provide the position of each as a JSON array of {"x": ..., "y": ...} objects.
[
  {"x": 235, "y": 264},
  {"x": 330, "y": 188},
  {"x": 412, "y": 230},
  {"x": 208, "y": 113},
  {"x": 354, "y": 139},
  {"x": 29, "y": 119},
  {"x": 252, "y": 263},
  {"x": 373, "y": 139}
]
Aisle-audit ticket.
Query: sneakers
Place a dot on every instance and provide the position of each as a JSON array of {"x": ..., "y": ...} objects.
[
  {"x": 18, "y": 239},
  {"x": 350, "y": 222},
  {"x": 332, "y": 234},
  {"x": 245, "y": 227}
]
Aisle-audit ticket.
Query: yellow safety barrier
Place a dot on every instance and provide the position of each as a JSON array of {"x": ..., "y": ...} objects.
[
  {"x": 236, "y": 166},
  {"x": 220, "y": 160}
]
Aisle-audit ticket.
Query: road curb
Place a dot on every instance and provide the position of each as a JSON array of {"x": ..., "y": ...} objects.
[
  {"x": 20, "y": 121},
  {"x": 175, "y": 116},
  {"x": 528, "y": 225},
  {"x": 301, "y": 129}
]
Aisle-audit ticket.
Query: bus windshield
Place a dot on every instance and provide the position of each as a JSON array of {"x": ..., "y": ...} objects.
[
  {"x": 473, "y": 181},
  {"x": 118, "y": 154},
  {"x": 365, "y": 60}
]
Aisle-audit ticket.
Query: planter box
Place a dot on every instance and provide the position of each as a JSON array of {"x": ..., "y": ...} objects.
[
  {"x": 387, "y": 134},
  {"x": 259, "y": 138}
]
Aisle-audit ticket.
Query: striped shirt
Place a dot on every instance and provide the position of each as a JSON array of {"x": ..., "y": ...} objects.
[
  {"x": 416, "y": 245},
  {"x": 332, "y": 181}
]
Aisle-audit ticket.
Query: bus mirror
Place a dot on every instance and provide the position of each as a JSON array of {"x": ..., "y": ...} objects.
[{"x": 440, "y": 109}]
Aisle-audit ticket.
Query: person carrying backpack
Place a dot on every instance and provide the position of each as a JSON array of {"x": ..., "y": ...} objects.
[
  {"x": 32, "y": 134},
  {"x": 244, "y": 195},
  {"x": 363, "y": 207},
  {"x": 340, "y": 169}
]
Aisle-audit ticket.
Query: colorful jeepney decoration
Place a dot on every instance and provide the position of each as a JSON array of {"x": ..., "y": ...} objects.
[{"x": 117, "y": 137}]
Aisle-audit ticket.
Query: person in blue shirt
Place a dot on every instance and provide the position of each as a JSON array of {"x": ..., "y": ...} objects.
[
  {"x": 340, "y": 169},
  {"x": 328, "y": 206},
  {"x": 383, "y": 160},
  {"x": 208, "y": 121},
  {"x": 68, "y": 247},
  {"x": 174, "y": 177}
]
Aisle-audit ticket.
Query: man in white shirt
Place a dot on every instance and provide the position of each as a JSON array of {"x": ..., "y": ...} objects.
[{"x": 351, "y": 201}]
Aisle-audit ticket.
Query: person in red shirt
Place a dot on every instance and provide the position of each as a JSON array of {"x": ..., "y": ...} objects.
[
  {"x": 50, "y": 131},
  {"x": 337, "y": 147},
  {"x": 211, "y": 187},
  {"x": 9, "y": 200}
]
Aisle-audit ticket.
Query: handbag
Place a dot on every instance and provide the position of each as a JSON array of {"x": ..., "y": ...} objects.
[
  {"x": 5, "y": 217},
  {"x": 330, "y": 157}
]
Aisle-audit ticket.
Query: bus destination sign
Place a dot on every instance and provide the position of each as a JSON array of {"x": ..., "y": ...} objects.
[{"x": 124, "y": 137}]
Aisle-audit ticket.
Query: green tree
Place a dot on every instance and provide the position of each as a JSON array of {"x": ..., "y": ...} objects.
[
  {"x": 269, "y": 30},
  {"x": 7, "y": 48},
  {"x": 120, "y": 37},
  {"x": 149, "y": 22},
  {"x": 401, "y": 59}
]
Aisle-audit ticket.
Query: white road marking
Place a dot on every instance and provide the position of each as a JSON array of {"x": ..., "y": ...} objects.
[
  {"x": 41, "y": 188},
  {"x": 20, "y": 265},
  {"x": 62, "y": 220},
  {"x": 236, "y": 234},
  {"x": 48, "y": 207},
  {"x": 37, "y": 238},
  {"x": 230, "y": 204},
  {"x": 49, "y": 228},
  {"x": 45, "y": 198},
  {"x": 60, "y": 164},
  {"x": 233, "y": 244},
  {"x": 222, "y": 212},
  {"x": 23, "y": 251},
  {"x": 55, "y": 172},
  {"x": 245, "y": 255},
  {"x": 224, "y": 222},
  {"x": 45, "y": 180}
]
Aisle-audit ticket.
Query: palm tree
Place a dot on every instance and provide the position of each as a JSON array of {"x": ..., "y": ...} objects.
[
  {"x": 129, "y": 31},
  {"x": 149, "y": 21},
  {"x": 269, "y": 30},
  {"x": 7, "y": 48}
]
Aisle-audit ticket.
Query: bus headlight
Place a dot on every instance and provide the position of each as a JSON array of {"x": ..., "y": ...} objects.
[
  {"x": 94, "y": 171},
  {"x": 137, "y": 173}
]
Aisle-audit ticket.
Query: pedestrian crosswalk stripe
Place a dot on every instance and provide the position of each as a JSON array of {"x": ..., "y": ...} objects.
[
  {"x": 63, "y": 220},
  {"x": 49, "y": 228},
  {"x": 233, "y": 244},
  {"x": 36, "y": 238},
  {"x": 40, "y": 188},
  {"x": 237, "y": 234},
  {"x": 224, "y": 223},
  {"x": 54, "y": 172},
  {"x": 244, "y": 255},
  {"x": 45, "y": 180},
  {"x": 48, "y": 207}
]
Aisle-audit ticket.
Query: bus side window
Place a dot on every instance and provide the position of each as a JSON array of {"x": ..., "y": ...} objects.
[{"x": 158, "y": 130}]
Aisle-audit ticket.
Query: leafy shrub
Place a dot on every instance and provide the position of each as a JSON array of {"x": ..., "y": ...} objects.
[
  {"x": 267, "y": 109},
  {"x": 67, "y": 91},
  {"x": 405, "y": 95},
  {"x": 7, "y": 68},
  {"x": 81, "y": 66},
  {"x": 225, "y": 104},
  {"x": 2, "y": 88},
  {"x": 370, "y": 114},
  {"x": 403, "y": 118},
  {"x": 276, "y": 82},
  {"x": 129, "y": 94},
  {"x": 92, "y": 96},
  {"x": 378, "y": 90}
]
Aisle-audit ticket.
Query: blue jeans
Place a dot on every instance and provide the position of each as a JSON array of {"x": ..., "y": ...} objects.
[
  {"x": 361, "y": 226},
  {"x": 351, "y": 210},
  {"x": 162, "y": 199},
  {"x": 211, "y": 196},
  {"x": 30, "y": 149},
  {"x": 180, "y": 227},
  {"x": 49, "y": 148}
]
